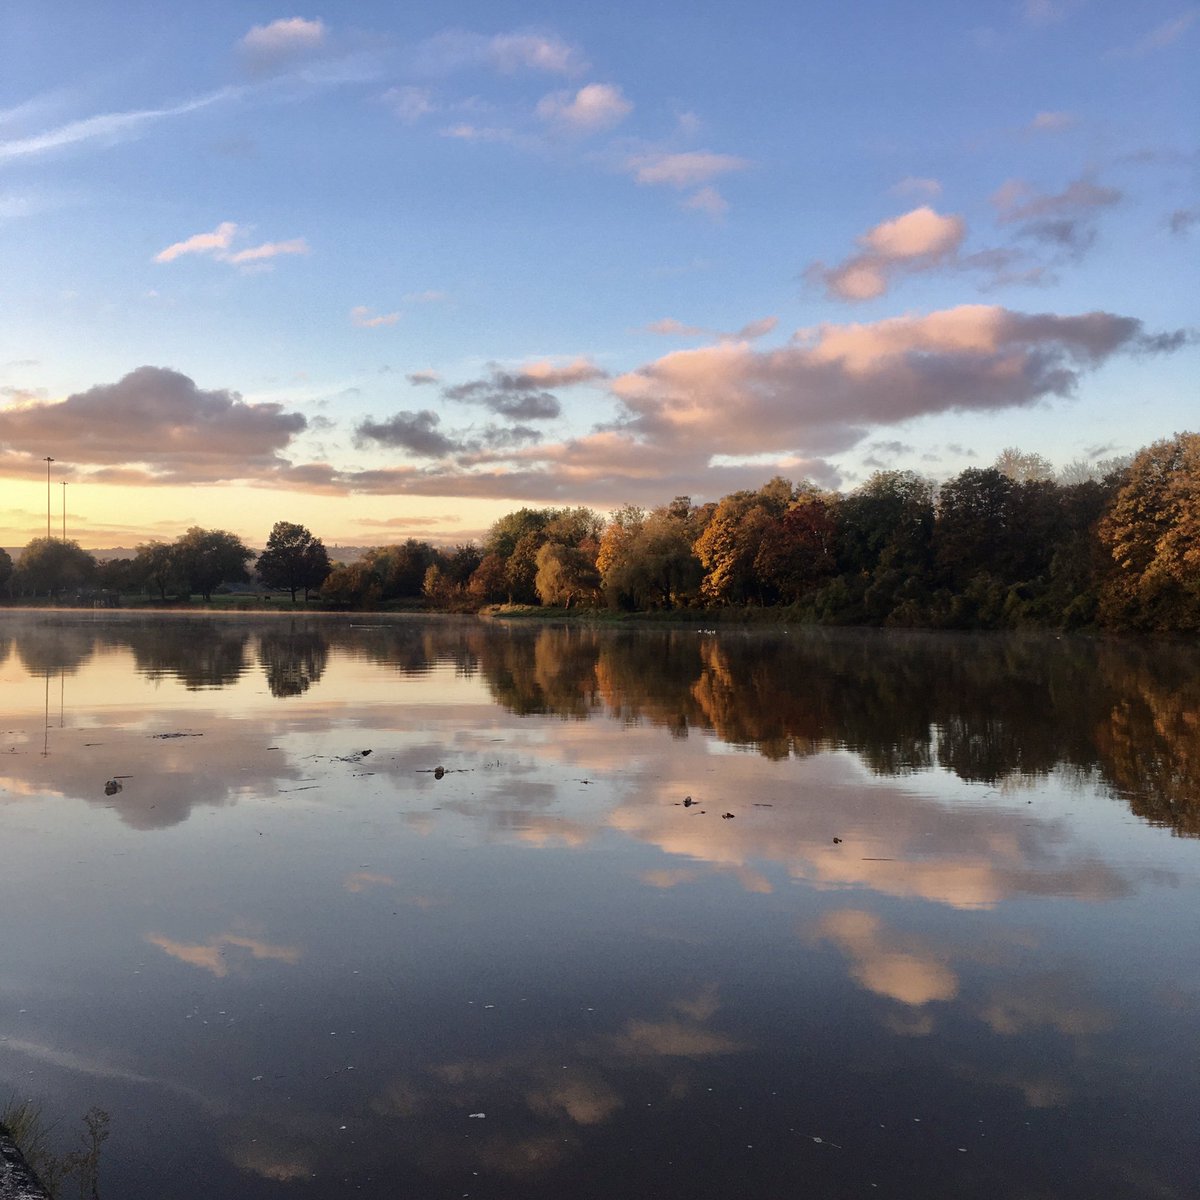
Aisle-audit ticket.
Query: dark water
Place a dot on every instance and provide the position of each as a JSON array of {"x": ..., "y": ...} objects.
[{"x": 946, "y": 945}]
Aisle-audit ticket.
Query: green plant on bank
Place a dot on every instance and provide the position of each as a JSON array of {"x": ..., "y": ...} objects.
[{"x": 32, "y": 1134}]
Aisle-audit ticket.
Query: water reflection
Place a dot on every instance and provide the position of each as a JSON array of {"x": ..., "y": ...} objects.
[
  {"x": 926, "y": 951},
  {"x": 989, "y": 710}
]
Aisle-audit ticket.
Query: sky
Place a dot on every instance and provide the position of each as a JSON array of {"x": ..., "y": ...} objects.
[{"x": 394, "y": 270}]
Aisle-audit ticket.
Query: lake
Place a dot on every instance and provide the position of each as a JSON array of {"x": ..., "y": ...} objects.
[{"x": 445, "y": 908}]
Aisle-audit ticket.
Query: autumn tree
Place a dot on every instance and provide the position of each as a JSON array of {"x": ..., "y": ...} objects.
[
  {"x": 488, "y": 583},
  {"x": 293, "y": 559},
  {"x": 209, "y": 557},
  {"x": 566, "y": 574},
  {"x": 1152, "y": 532}
]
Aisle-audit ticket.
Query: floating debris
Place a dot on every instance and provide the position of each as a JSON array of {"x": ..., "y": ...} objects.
[
  {"x": 162, "y": 737},
  {"x": 728, "y": 816},
  {"x": 438, "y": 772},
  {"x": 112, "y": 787},
  {"x": 688, "y": 802},
  {"x": 479, "y": 1116},
  {"x": 837, "y": 841}
]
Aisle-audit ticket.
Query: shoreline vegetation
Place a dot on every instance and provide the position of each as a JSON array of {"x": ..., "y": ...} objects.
[{"x": 1101, "y": 546}]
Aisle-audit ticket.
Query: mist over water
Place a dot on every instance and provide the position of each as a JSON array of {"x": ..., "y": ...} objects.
[{"x": 925, "y": 928}]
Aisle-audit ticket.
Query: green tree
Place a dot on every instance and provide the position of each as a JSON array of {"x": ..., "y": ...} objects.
[
  {"x": 156, "y": 566},
  {"x": 210, "y": 557},
  {"x": 6, "y": 568},
  {"x": 53, "y": 566},
  {"x": 293, "y": 559}
]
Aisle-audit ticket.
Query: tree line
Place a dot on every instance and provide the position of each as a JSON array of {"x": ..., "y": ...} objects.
[{"x": 1107, "y": 545}]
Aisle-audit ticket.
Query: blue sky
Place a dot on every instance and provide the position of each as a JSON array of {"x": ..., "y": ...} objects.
[{"x": 394, "y": 271}]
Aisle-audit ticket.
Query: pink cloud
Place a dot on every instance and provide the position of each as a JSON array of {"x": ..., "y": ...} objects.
[
  {"x": 919, "y": 240},
  {"x": 593, "y": 108}
]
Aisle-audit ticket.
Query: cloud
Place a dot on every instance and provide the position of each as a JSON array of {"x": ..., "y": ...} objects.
[
  {"x": 361, "y": 316},
  {"x": 157, "y": 417},
  {"x": 509, "y": 53},
  {"x": 1052, "y": 122},
  {"x": 1182, "y": 219},
  {"x": 105, "y": 127},
  {"x": 415, "y": 431},
  {"x": 423, "y": 378},
  {"x": 913, "y": 185},
  {"x": 211, "y": 955},
  {"x": 525, "y": 394},
  {"x": 595, "y": 107},
  {"x": 709, "y": 201},
  {"x": 1063, "y": 220},
  {"x": 819, "y": 395},
  {"x": 1159, "y": 38},
  {"x": 919, "y": 240},
  {"x": 256, "y": 254},
  {"x": 670, "y": 327},
  {"x": 410, "y": 104},
  {"x": 200, "y": 243},
  {"x": 267, "y": 47},
  {"x": 910, "y": 974},
  {"x": 681, "y": 171},
  {"x": 217, "y": 245}
]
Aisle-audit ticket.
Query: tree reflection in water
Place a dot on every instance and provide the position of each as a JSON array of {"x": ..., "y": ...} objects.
[{"x": 985, "y": 707}]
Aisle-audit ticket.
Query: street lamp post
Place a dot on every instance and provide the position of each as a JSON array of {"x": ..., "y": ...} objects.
[{"x": 49, "y": 460}]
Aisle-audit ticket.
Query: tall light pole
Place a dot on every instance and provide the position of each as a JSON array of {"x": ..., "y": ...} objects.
[
  {"x": 64, "y": 483},
  {"x": 49, "y": 460}
]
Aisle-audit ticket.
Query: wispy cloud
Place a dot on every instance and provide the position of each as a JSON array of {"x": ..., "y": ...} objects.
[
  {"x": 914, "y": 185},
  {"x": 1052, "y": 122},
  {"x": 1159, "y": 38},
  {"x": 1064, "y": 220},
  {"x": 683, "y": 170},
  {"x": 218, "y": 245},
  {"x": 106, "y": 127},
  {"x": 200, "y": 243},
  {"x": 509, "y": 53},
  {"x": 267, "y": 250},
  {"x": 364, "y": 319}
]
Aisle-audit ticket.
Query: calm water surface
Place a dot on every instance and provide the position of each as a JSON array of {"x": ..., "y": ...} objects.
[{"x": 943, "y": 944}]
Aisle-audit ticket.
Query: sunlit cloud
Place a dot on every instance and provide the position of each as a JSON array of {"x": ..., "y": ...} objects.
[
  {"x": 155, "y": 416},
  {"x": 200, "y": 243},
  {"x": 595, "y": 107},
  {"x": 920, "y": 240},
  {"x": 281, "y": 42},
  {"x": 218, "y": 245}
]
